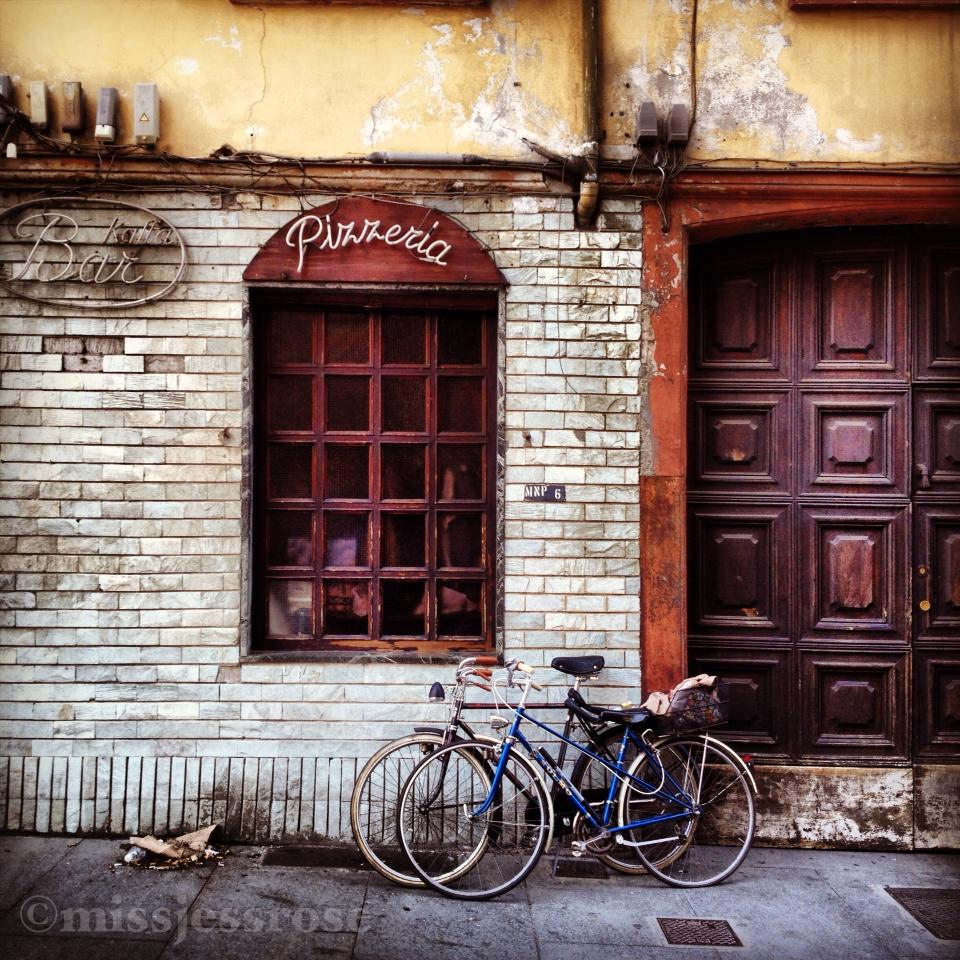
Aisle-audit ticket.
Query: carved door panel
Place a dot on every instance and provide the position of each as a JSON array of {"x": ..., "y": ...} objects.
[
  {"x": 936, "y": 468},
  {"x": 824, "y": 466}
]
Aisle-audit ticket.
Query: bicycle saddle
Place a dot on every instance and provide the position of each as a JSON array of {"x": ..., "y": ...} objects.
[{"x": 577, "y": 666}]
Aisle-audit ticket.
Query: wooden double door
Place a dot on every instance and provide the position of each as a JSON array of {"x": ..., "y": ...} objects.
[{"x": 824, "y": 491}]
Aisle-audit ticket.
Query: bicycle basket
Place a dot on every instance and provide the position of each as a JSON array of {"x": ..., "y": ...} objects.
[{"x": 699, "y": 707}]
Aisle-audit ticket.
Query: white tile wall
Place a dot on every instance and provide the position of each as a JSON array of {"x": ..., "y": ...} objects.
[{"x": 125, "y": 703}]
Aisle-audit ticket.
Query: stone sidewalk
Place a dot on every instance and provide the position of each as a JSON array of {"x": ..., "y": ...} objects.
[{"x": 63, "y": 898}]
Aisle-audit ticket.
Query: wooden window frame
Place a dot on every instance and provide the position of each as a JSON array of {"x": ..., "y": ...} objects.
[{"x": 424, "y": 647}]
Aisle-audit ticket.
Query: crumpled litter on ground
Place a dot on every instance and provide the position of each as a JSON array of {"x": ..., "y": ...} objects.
[{"x": 187, "y": 850}]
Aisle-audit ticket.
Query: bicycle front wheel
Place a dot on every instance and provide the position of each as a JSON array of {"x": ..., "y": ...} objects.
[
  {"x": 454, "y": 848},
  {"x": 701, "y": 805}
]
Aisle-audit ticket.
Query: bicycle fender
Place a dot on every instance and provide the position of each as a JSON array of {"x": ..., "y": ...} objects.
[
  {"x": 714, "y": 742},
  {"x": 440, "y": 731}
]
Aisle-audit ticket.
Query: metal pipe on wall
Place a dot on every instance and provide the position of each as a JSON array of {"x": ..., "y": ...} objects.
[{"x": 589, "y": 196}]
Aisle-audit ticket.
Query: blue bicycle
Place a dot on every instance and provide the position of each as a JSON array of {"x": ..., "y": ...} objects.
[{"x": 474, "y": 818}]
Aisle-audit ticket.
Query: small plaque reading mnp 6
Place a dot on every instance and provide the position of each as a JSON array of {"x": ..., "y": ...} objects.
[{"x": 545, "y": 493}]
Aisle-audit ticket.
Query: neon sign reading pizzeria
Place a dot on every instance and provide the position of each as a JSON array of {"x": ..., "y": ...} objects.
[
  {"x": 324, "y": 233},
  {"x": 358, "y": 240}
]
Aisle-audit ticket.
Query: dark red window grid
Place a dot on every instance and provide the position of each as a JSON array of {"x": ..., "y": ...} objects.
[{"x": 374, "y": 477}]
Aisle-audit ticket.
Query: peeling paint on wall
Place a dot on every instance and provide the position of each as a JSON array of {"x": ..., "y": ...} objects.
[
  {"x": 850, "y": 85},
  {"x": 777, "y": 84},
  {"x": 501, "y": 114},
  {"x": 866, "y": 808},
  {"x": 737, "y": 96},
  {"x": 230, "y": 42}
]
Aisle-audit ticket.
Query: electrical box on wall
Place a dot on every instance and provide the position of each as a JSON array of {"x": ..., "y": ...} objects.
[
  {"x": 71, "y": 120},
  {"x": 106, "y": 130},
  {"x": 647, "y": 131},
  {"x": 6, "y": 91},
  {"x": 38, "y": 104},
  {"x": 678, "y": 125},
  {"x": 146, "y": 113}
]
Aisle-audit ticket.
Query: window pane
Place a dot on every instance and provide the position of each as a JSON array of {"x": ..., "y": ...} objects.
[
  {"x": 347, "y": 337},
  {"x": 289, "y": 538},
  {"x": 346, "y": 607},
  {"x": 290, "y": 608},
  {"x": 348, "y": 403},
  {"x": 404, "y": 607},
  {"x": 403, "y": 540},
  {"x": 348, "y": 472},
  {"x": 460, "y": 404},
  {"x": 402, "y": 468},
  {"x": 403, "y": 338},
  {"x": 290, "y": 403},
  {"x": 460, "y": 338},
  {"x": 290, "y": 471},
  {"x": 404, "y": 403},
  {"x": 459, "y": 539},
  {"x": 345, "y": 539},
  {"x": 291, "y": 336},
  {"x": 458, "y": 608},
  {"x": 372, "y": 467},
  {"x": 459, "y": 471}
]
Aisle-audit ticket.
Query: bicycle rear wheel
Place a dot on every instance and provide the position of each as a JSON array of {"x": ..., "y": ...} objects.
[
  {"x": 691, "y": 847},
  {"x": 373, "y": 804},
  {"x": 460, "y": 853},
  {"x": 592, "y": 779}
]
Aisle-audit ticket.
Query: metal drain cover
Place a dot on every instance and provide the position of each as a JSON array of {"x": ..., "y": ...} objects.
[
  {"x": 698, "y": 933},
  {"x": 586, "y": 868},
  {"x": 937, "y": 909}
]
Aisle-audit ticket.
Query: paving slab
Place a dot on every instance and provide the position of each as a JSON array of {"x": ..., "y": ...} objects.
[
  {"x": 82, "y": 896},
  {"x": 790, "y": 916},
  {"x": 612, "y": 912},
  {"x": 896, "y": 869},
  {"x": 409, "y": 924},
  {"x": 78, "y": 948},
  {"x": 248, "y": 910},
  {"x": 24, "y": 860},
  {"x": 901, "y": 933},
  {"x": 580, "y": 951},
  {"x": 783, "y": 904}
]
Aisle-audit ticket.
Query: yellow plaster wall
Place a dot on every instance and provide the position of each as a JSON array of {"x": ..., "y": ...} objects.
[
  {"x": 781, "y": 84},
  {"x": 318, "y": 80}
]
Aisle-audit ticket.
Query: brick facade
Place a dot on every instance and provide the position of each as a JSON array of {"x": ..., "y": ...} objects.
[{"x": 127, "y": 703}]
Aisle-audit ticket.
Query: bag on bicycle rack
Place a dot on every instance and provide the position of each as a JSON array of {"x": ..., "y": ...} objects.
[{"x": 698, "y": 707}]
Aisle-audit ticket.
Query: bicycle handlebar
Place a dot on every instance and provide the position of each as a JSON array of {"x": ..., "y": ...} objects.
[{"x": 522, "y": 667}]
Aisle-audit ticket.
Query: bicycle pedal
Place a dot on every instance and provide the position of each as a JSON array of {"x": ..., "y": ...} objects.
[{"x": 578, "y": 848}]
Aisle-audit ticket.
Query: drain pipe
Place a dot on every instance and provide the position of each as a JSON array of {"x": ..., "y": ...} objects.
[{"x": 589, "y": 196}]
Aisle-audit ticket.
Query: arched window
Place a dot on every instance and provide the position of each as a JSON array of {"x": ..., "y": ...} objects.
[{"x": 374, "y": 433}]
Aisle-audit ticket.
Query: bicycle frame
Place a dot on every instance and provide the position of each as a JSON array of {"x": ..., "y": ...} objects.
[
  {"x": 562, "y": 781},
  {"x": 456, "y": 724}
]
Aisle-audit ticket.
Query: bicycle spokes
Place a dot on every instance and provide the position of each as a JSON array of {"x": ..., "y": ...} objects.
[
  {"x": 705, "y": 839},
  {"x": 455, "y": 848}
]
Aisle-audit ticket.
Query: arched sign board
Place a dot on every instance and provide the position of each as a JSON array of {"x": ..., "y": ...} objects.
[
  {"x": 89, "y": 253},
  {"x": 362, "y": 240}
]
